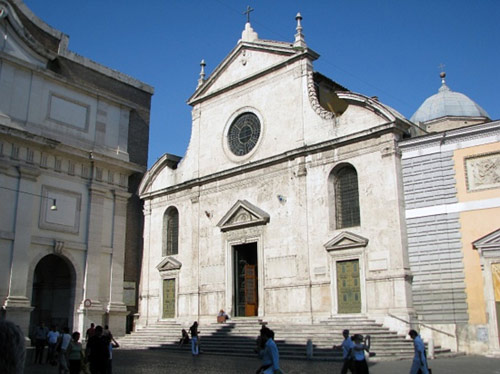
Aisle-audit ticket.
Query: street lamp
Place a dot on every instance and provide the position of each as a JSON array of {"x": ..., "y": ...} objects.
[{"x": 53, "y": 207}]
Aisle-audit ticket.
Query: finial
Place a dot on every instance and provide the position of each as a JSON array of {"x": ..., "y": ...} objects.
[
  {"x": 443, "y": 87},
  {"x": 247, "y": 12},
  {"x": 299, "y": 37},
  {"x": 202, "y": 73}
]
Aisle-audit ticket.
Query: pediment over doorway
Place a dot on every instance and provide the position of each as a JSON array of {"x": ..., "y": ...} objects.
[
  {"x": 169, "y": 263},
  {"x": 489, "y": 245},
  {"x": 346, "y": 240},
  {"x": 241, "y": 215}
]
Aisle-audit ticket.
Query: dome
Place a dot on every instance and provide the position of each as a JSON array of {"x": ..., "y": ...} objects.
[{"x": 447, "y": 103}]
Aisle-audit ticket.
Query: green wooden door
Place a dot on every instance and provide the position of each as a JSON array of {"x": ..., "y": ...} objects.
[
  {"x": 168, "y": 298},
  {"x": 348, "y": 288}
]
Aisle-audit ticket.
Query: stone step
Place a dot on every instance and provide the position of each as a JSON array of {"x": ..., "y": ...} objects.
[{"x": 238, "y": 338}]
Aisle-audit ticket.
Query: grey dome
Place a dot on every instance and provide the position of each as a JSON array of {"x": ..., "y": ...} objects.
[{"x": 447, "y": 103}]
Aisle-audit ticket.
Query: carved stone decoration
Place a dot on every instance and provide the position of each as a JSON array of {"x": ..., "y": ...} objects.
[
  {"x": 168, "y": 264},
  {"x": 58, "y": 247},
  {"x": 313, "y": 99},
  {"x": 241, "y": 215},
  {"x": 483, "y": 171}
]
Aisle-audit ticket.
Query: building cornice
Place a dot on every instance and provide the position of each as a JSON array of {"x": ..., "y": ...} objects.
[{"x": 390, "y": 127}]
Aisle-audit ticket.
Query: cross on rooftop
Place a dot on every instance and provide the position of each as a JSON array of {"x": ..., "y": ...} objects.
[
  {"x": 441, "y": 67},
  {"x": 247, "y": 12}
]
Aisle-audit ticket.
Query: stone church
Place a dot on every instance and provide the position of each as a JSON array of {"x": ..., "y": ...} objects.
[
  {"x": 288, "y": 205},
  {"x": 73, "y": 149},
  {"x": 298, "y": 200}
]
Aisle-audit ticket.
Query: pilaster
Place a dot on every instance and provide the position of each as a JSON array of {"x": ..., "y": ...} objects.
[
  {"x": 17, "y": 304},
  {"x": 116, "y": 308},
  {"x": 94, "y": 249}
]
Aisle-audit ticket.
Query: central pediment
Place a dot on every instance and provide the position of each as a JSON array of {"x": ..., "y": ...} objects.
[{"x": 243, "y": 214}]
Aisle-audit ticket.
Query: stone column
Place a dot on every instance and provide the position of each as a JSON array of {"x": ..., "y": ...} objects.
[
  {"x": 116, "y": 309},
  {"x": 17, "y": 304},
  {"x": 92, "y": 310}
]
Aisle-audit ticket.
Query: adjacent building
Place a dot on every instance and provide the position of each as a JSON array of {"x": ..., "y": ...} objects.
[
  {"x": 451, "y": 183},
  {"x": 73, "y": 149}
]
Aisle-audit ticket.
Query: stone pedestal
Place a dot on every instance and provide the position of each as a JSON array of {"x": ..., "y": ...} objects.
[
  {"x": 18, "y": 310},
  {"x": 90, "y": 314},
  {"x": 117, "y": 319}
]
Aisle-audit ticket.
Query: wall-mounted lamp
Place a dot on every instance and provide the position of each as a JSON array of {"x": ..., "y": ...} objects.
[{"x": 53, "y": 207}]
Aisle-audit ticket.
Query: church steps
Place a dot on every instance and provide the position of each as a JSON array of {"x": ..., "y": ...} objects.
[{"x": 238, "y": 338}]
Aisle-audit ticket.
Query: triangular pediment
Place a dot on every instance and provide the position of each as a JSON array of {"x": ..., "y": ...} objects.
[
  {"x": 247, "y": 61},
  {"x": 243, "y": 214},
  {"x": 168, "y": 263},
  {"x": 18, "y": 42},
  {"x": 488, "y": 242},
  {"x": 346, "y": 240}
]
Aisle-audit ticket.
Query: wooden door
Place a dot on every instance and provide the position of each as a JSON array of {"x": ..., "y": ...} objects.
[
  {"x": 348, "y": 287},
  {"x": 250, "y": 290},
  {"x": 168, "y": 298}
]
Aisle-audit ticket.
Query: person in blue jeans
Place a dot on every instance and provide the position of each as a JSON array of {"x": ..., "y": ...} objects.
[{"x": 194, "y": 338}]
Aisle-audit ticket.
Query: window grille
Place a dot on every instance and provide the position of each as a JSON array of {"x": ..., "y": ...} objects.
[
  {"x": 346, "y": 197},
  {"x": 171, "y": 232}
]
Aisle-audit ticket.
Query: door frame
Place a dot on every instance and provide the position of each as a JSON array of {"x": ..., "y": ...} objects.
[
  {"x": 348, "y": 255},
  {"x": 238, "y": 237},
  {"x": 165, "y": 275}
]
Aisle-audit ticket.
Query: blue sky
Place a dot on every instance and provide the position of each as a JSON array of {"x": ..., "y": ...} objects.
[{"x": 387, "y": 48}]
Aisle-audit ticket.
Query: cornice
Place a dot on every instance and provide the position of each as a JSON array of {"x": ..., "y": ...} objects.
[{"x": 390, "y": 127}]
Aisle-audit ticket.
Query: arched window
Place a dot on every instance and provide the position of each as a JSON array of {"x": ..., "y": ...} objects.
[
  {"x": 346, "y": 197},
  {"x": 170, "y": 232}
]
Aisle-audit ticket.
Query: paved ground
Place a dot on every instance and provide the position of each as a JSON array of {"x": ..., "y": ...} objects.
[{"x": 162, "y": 361}]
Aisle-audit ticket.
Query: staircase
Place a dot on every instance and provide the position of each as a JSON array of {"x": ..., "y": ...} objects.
[{"x": 238, "y": 338}]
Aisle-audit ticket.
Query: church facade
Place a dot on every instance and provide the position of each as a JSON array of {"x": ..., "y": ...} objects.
[
  {"x": 73, "y": 149},
  {"x": 288, "y": 205}
]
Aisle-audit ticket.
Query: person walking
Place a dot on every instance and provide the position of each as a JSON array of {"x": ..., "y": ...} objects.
[
  {"x": 358, "y": 351},
  {"x": 63, "y": 345},
  {"x": 346, "y": 348},
  {"x": 75, "y": 354},
  {"x": 419, "y": 364},
  {"x": 268, "y": 352},
  {"x": 40, "y": 337},
  {"x": 194, "y": 339},
  {"x": 97, "y": 352},
  {"x": 52, "y": 339}
]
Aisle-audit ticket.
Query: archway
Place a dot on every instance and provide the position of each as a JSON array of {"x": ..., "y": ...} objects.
[{"x": 53, "y": 292}]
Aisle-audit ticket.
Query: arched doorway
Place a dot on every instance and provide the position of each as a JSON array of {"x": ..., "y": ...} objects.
[{"x": 53, "y": 292}]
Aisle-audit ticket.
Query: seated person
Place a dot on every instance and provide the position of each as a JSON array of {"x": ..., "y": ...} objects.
[
  {"x": 222, "y": 317},
  {"x": 184, "y": 339}
]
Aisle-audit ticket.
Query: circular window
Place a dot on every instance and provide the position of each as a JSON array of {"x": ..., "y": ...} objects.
[{"x": 243, "y": 133}]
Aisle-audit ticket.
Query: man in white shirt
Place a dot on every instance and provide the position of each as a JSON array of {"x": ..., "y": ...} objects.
[{"x": 64, "y": 341}]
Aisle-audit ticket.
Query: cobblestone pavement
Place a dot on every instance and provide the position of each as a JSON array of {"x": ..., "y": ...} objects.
[{"x": 163, "y": 361}]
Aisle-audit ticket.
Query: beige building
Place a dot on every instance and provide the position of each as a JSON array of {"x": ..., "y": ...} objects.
[
  {"x": 73, "y": 148},
  {"x": 288, "y": 205}
]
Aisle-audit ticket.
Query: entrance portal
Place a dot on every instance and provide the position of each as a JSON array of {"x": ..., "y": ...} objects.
[
  {"x": 495, "y": 272},
  {"x": 348, "y": 287},
  {"x": 53, "y": 295},
  {"x": 245, "y": 280}
]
